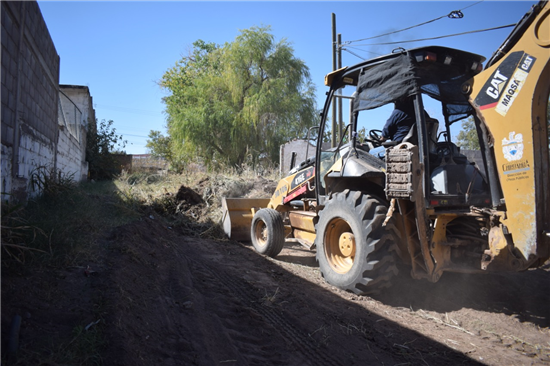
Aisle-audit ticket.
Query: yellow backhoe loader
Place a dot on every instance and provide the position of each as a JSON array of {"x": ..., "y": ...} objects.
[{"x": 367, "y": 204}]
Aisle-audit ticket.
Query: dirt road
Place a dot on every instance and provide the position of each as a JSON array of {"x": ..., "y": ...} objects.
[
  {"x": 166, "y": 298},
  {"x": 178, "y": 300}
]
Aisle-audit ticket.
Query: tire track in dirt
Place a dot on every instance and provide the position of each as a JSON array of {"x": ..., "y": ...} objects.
[
  {"x": 298, "y": 339},
  {"x": 242, "y": 329}
]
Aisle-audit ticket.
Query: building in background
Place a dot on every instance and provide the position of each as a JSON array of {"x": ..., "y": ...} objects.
[{"x": 76, "y": 115}]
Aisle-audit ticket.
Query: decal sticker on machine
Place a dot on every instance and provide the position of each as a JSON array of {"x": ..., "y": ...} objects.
[
  {"x": 299, "y": 184},
  {"x": 302, "y": 177},
  {"x": 521, "y": 166},
  {"x": 505, "y": 82},
  {"x": 517, "y": 170},
  {"x": 513, "y": 147},
  {"x": 280, "y": 191},
  {"x": 515, "y": 85}
]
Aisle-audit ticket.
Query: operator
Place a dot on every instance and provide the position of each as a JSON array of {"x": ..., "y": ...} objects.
[{"x": 400, "y": 121}]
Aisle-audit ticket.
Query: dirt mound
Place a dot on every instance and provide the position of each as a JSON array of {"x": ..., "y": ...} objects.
[
  {"x": 188, "y": 196},
  {"x": 262, "y": 188}
]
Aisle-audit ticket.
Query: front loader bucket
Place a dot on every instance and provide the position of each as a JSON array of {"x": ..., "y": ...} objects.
[{"x": 237, "y": 214}]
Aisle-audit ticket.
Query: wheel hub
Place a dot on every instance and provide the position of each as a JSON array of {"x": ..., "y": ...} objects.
[
  {"x": 261, "y": 233},
  {"x": 347, "y": 244},
  {"x": 340, "y": 245}
]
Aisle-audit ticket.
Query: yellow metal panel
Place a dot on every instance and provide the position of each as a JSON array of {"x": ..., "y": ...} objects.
[
  {"x": 237, "y": 214},
  {"x": 302, "y": 220},
  {"x": 281, "y": 191},
  {"x": 305, "y": 236},
  {"x": 510, "y": 119}
]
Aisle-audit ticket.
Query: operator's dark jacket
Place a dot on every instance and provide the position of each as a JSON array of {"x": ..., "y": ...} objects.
[{"x": 398, "y": 125}]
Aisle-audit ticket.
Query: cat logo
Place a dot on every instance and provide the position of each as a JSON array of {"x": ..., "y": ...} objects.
[{"x": 497, "y": 85}]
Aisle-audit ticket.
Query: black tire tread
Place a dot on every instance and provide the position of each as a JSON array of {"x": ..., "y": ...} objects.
[
  {"x": 378, "y": 263},
  {"x": 276, "y": 232}
]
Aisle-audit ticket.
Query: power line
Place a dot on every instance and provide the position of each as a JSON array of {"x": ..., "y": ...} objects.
[
  {"x": 347, "y": 49},
  {"x": 439, "y": 37},
  {"x": 455, "y": 14},
  {"x": 353, "y": 53},
  {"x": 359, "y": 49}
]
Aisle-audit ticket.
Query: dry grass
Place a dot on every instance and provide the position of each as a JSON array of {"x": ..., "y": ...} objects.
[
  {"x": 16, "y": 233},
  {"x": 158, "y": 194},
  {"x": 62, "y": 226}
]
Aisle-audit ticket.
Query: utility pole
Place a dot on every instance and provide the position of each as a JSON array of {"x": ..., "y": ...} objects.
[
  {"x": 334, "y": 140},
  {"x": 340, "y": 114}
]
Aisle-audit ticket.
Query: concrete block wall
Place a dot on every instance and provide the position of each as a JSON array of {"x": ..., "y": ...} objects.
[
  {"x": 33, "y": 154},
  {"x": 6, "y": 169},
  {"x": 30, "y": 79},
  {"x": 70, "y": 159}
]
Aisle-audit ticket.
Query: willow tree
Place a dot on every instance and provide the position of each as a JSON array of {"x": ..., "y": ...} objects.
[
  {"x": 467, "y": 137},
  {"x": 240, "y": 101}
]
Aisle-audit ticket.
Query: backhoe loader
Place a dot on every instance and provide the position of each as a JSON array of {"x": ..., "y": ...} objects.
[{"x": 368, "y": 205}]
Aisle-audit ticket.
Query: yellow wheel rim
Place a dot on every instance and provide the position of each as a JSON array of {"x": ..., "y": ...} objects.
[
  {"x": 340, "y": 245},
  {"x": 260, "y": 231}
]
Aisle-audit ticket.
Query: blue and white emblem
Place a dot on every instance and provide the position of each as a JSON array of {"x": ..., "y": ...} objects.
[{"x": 513, "y": 147}]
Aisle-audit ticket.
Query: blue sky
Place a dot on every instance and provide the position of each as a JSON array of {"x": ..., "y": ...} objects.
[{"x": 120, "y": 50}]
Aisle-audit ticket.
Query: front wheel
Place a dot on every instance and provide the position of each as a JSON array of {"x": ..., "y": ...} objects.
[
  {"x": 355, "y": 252},
  {"x": 268, "y": 232}
]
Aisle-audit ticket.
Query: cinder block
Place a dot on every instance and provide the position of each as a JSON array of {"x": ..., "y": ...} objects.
[
  {"x": 4, "y": 129},
  {"x": 7, "y": 116},
  {"x": 9, "y": 136},
  {"x": 12, "y": 45},
  {"x": 5, "y": 37},
  {"x": 5, "y": 93}
]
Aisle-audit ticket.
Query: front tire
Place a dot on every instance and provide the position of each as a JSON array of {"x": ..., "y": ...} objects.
[
  {"x": 268, "y": 232},
  {"x": 355, "y": 252}
]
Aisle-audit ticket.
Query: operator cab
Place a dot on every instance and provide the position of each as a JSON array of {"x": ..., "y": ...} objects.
[{"x": 436, "y": 79}]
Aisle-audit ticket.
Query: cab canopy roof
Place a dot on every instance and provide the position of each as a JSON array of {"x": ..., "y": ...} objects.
[{"x": 442, "y": 73}]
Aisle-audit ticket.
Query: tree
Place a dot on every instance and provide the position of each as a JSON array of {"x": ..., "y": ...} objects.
[
  {"x": 101, "y": 141},
  {"x": 159, "y": 145},
  {"x": 240, "y": 101},
  {"x": 467, "y": 138}
]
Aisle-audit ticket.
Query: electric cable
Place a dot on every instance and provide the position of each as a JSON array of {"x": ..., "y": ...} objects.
[
  {"x": 347, "y": 48},
  {"x": 354, "y": 54},
  {"x": 439, "y": 37},
  {"x": 455, "y": 14}
]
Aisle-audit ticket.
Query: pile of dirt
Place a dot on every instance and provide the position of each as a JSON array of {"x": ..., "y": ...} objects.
[{"x": 188, "y": 196}]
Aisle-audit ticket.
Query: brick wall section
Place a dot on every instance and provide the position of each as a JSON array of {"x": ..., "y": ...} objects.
[{"x": 30, "y": 79}]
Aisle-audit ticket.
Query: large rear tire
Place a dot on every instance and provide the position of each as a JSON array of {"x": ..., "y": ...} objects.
[
  {"x": 355, "y": 252},
  {"x": 268, "y": 232}
]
